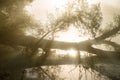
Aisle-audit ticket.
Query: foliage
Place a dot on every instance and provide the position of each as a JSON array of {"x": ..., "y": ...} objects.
[{"x": 85, "y": 17}]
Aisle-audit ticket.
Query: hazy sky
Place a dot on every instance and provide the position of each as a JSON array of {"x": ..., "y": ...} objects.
[
  {"x": 39, "y": 8},
  {"x": 110, "y": 8}
]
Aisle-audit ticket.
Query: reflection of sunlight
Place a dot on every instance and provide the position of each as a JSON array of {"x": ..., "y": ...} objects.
[
  {"x": 83, "y": 54},
  {"x": 72, "y": 52}
]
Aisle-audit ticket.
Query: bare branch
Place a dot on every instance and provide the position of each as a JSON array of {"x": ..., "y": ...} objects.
[
  {"x": 103, "y": 53},
  {"x": 108, "y": 34},
  {"x": 113, "y": 44}
]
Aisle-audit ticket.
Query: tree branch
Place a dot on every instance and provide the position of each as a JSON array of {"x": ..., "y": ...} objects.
[
  {"x": 109, "y": 33},
  {"x": 105, "y": 54},
  {"x": 113, "y": 44}
]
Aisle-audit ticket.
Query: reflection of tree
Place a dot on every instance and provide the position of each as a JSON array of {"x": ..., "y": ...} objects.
[{"x": 13, "y": 41}]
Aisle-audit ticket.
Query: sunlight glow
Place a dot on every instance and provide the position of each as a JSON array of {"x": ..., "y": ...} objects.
[
  {"x": 72, "y": 52},
  {"x": 59, "y": 3},
  {"x": 69, "y": 52},
  {"x": 71, "y": 35},
  {"x": 83, "y": 54}
]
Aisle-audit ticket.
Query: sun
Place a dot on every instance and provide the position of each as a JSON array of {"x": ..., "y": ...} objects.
[{"x": 72, "y": 52}]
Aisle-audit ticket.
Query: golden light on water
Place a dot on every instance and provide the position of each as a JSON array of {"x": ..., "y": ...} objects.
[
  {"x": 69, "y": 52},
  {"x": 72, "y": 52}
]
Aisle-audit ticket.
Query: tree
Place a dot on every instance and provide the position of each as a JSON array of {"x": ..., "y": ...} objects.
[{"x": 18, "y": 50}]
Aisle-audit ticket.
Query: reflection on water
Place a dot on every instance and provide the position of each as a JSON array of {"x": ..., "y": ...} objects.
[
  {"x": 71, "y": 53},
  {"x": 66, "y": 72},
  {"x": 72, "y": 72}
]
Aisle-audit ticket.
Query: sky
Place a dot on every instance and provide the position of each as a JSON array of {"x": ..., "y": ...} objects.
[
  {"x": 39, "y": 8},
  {"x": 109, "y": 9}
]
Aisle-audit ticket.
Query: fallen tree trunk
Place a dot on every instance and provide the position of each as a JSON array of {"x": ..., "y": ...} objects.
[
  {"x": 27, "y": 41},
  {"x": 31, "y": 42}
]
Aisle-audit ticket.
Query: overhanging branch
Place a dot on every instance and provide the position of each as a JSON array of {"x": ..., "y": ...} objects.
[{"x": 109, "y": 33}]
